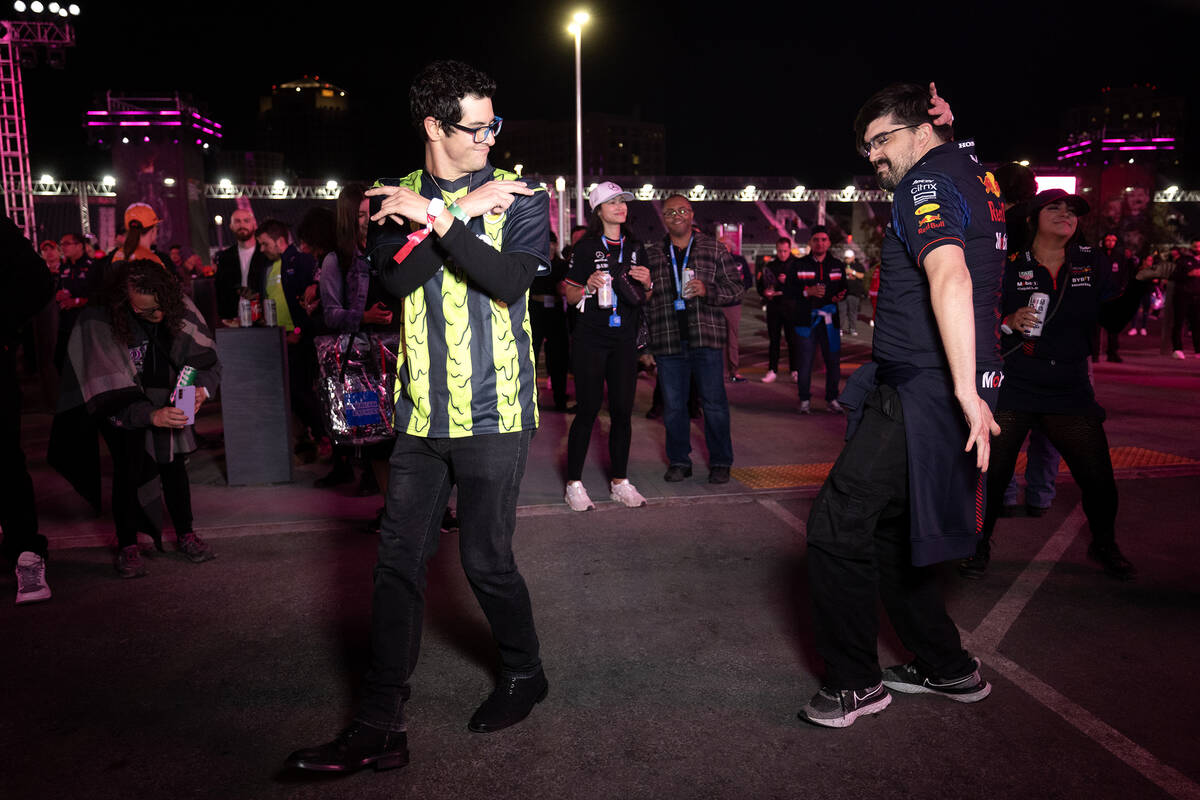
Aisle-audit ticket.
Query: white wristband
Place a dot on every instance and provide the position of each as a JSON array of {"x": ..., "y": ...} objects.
[{"x": 436, "y": 206}]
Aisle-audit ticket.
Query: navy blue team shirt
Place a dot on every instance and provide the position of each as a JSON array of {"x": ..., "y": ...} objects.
[{"x": 946, "y": 199}]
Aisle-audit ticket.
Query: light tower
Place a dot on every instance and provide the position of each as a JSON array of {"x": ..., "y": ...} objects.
[{"x": 54, "y": 33}]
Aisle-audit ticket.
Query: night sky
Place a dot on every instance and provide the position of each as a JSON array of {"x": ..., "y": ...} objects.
[{"x": 758, "y": 89}]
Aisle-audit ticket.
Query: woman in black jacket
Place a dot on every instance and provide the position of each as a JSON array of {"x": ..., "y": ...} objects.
[
  {"x": 1046, "y": 382},
  {"x": 604, "y": 345}
]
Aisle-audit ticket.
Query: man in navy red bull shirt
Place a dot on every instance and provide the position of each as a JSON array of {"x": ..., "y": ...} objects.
[{"x": 905, "y": 492}]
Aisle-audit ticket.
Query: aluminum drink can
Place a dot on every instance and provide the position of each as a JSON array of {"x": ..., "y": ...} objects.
[
  {"x": 688, "y": 276},
  {"x": 187, "y": 377},
  {"x": 604, "y": 295},
  {"x": 269, "y": 317},
  {"x": 255, "y": 310},
  {"x": 245, "y": 313},
  {"x": 1039, "y": 302}
]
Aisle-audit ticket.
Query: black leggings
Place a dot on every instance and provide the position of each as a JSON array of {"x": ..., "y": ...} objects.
[
  {"x": 597, "y": 363},
  {"x": 130, "y": 459},
  {"x": 1084, "y": 447}
]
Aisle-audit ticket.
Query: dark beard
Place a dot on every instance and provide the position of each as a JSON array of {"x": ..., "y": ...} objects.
[{"x": 891, "y": 180}]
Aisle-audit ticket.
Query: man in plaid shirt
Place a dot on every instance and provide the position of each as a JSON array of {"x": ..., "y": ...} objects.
[{"x": 687, "y": 336}]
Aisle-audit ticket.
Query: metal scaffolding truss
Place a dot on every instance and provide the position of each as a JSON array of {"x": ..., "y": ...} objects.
[
  {"x": 33, "y": 32},
  {"x": 232, "y": 191},
  {"x": 73, "y": 189},
  {"x": 1177, "y": 196}
]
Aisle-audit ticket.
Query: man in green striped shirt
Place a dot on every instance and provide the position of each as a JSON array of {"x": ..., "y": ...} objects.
[{"x": 457, "y": 245}]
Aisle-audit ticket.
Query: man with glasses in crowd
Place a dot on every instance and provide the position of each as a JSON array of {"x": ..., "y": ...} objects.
[
  {"x": 905, "y": 493},
  {"x": 694, "y": 277},
  {"x": 461, "y": 245},
  {"x": 78, "y": 278}
]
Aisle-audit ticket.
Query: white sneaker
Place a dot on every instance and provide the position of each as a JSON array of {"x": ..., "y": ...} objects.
[
  {"x": 836, "y": 408},
  {"x": 1178, "y": 354},
  {"x": 626, "y": 494},
  {"x": 1133, "y": 331},
  {"x": 795, "y": 376},
  {"x": 1143, "y": 331},
  {"x": 805, "y": 407},
  {"x": 577, "y": 497},
  {"x": 31, "y": 578},
  {"x": 769, "y": 377}
]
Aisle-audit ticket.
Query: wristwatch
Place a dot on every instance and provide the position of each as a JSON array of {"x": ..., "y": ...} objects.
[{"x": 436, "y": 206}]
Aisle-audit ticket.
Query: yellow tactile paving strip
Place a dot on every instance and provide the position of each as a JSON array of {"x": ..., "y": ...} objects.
[{"x": 785, "y": 476}]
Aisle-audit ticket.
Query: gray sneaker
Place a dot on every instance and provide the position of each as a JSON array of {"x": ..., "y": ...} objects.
[
  {"x": 196, "y": 549},
  {"x": 129, "y": 562},
  {"x": 31, "y": 578},
  {"x": 838, "y": 709},
  {"x": 805, "y": 407},
  {"x": 911, "y": 679}
]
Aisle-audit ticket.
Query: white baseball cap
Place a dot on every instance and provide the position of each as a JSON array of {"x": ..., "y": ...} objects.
[{"x": 607, "y": 191}]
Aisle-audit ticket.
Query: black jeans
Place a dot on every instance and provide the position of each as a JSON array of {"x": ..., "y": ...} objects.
[
  {"x": 1083, "y": 445},
  {"x": 600, "y": 362},
  {"x": 778, "y": 324},
  {"x": 858, "y": 546},
  {"x": 805, "y": 346},
  {"x": 18, "y": 513},
  {"x": 549, "y": 325},
  {"x": 1187, "y": 309},
  {"x": 302, "y": 385},
  {"x": 488, "y": 471},
  {"x": 127, "y": 446}
]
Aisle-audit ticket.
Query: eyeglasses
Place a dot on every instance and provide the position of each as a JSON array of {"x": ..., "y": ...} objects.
[
  {"x": 880, "y": 139},
  {"x": 146, "y": 312},
  {"x": 677, "y": 212},
  {"x": 480, "y": 134}
]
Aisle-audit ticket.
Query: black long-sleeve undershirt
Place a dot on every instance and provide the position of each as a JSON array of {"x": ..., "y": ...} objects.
[{"x": 502, "y": 276}]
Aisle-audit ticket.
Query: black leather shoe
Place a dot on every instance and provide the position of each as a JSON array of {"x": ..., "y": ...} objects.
[
  {"x": 677, "y": 472},
  {"x": 1115, "y": 565},
  {"x": 718, "y": 475},
  {"x": 975, "y": 567},
  {"x": 357, "y": 746},
  {"x": 1035, "y": 511},
  {"x": 509, "y": 703}
]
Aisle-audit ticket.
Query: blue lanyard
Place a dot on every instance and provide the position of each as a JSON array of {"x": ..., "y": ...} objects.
[
  {"x": 675, "y": 266},
  {"x": 620, "y": 254}
]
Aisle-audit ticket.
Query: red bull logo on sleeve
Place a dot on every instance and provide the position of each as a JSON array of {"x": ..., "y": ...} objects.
[
  {"x": 929, "y": 219},
  {"x": 989, "y": 184}
]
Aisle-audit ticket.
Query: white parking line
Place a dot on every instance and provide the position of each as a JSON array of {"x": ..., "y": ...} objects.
[
  {"x": 797, "y": 524},
  {"x": 996, "y": 624},
  {"x": 987, "y": 637}
]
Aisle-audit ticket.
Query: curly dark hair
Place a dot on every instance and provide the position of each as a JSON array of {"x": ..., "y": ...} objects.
[
  {"x": 144, "y": 277},
  {"x": 318, "y": 230},
  {"x": 438, "y": 88}
]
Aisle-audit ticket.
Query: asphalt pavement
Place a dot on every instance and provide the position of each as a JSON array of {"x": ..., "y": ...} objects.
[{"x": 676, "y": 637}]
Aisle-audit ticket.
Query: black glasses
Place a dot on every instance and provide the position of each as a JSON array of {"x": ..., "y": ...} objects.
[
  {"x": 672, "y": 213},
  {"x": 145, "y": 312},
  {"x": 480, "y": 134},
  {"x": 880, "y": 139}
]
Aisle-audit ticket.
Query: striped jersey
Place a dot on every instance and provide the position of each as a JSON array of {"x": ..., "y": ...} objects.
[{"x": 467, "y": 366}]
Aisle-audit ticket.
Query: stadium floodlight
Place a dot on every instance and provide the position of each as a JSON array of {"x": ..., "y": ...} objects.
[
  {"x": 36, "y": 7},
  {"x": 73, "y": 9},
  {"x": 279, "y": 185},
  {"x": 225, "y": 183},
  {"x": 53, "y": 8},
  {"x": 46, "y": 178},
  {"x": 218, "y": 219},
  {"x": 799, "y": 188},
  {"x": 849, "y": 189},
  {"x": 168, "y": 181},
  {"x": 109, "y": 181},
  {"x": 331, "y": 185},
  {"x": 20, "y": 7},
  {"x": 560, "y": 184}
]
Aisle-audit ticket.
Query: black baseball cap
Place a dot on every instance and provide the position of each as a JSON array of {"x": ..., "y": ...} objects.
[{"x": 1043, "y": 199}]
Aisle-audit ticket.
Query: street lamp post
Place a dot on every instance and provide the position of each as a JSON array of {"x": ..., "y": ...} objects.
[{"x": 576, "y": 27}]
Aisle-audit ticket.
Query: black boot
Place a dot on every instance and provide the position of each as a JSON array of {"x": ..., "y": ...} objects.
[
  {"x": 1109, "y": 556},
  {"x": 354, "y": 748},
  {"x": 509, "y": 703}
]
